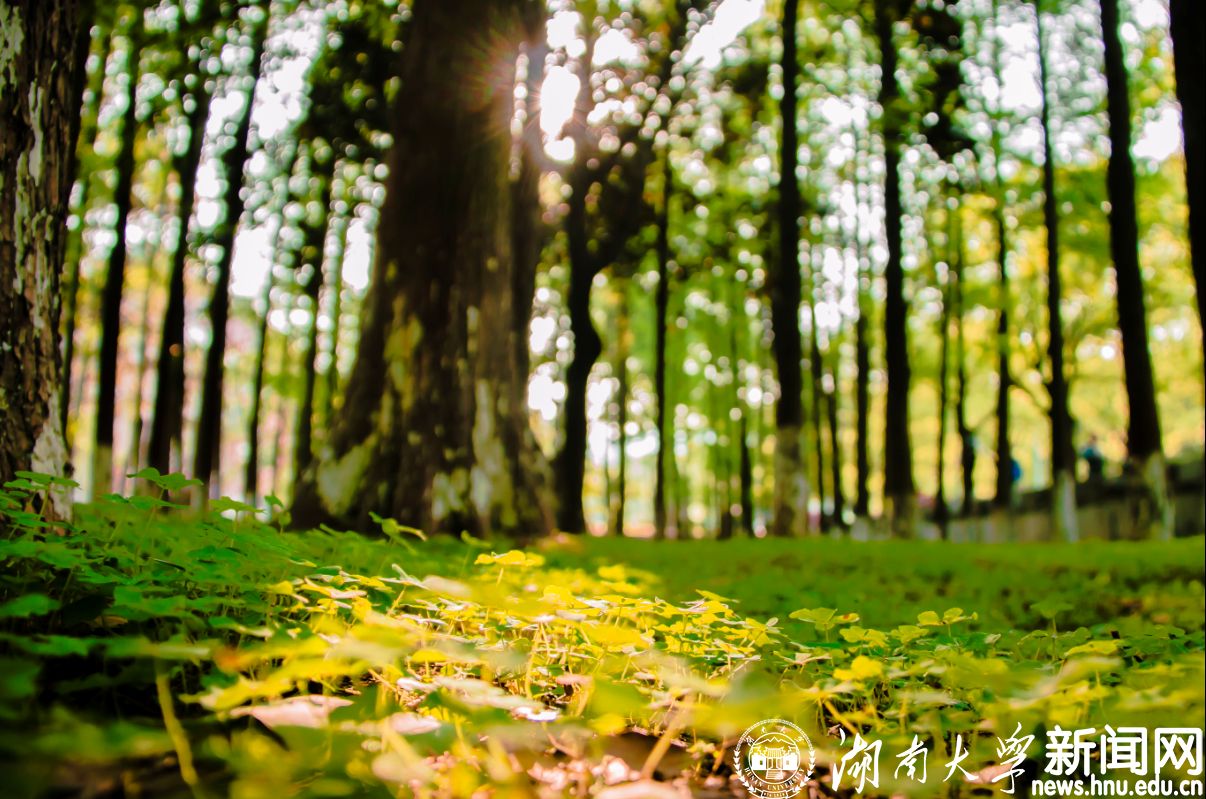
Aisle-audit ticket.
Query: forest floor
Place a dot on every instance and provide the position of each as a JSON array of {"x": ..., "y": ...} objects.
[{"x": 146, "y": 651}]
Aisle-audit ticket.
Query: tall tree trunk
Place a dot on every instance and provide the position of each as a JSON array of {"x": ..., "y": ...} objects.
[
  {"x": 315, "y": 235},
  {"x": 1188, "y": 28},
  {"x": 75, "y": 239},
  {"x": 791, "y": 482},
  {"x": 835, "y": 446},
  {"x": 167, "y": 418},
  {"x": 528, "y": 230},
  {"x": 661, "y": 306},
  {"x": 1003, "y": 500},
  {"x": 1144, "y": 449},
  {"x": 207, "y": 457},
  {"x": 817, "y": 393},
  {"x": 941, "y": 509},
  {"x": 251, "y": 474},
  {"x": 1063, "y": 458},
  {"x": 115, "y": 275},
  {"x": 899, "y": 494},
  {"x": 434, "y": 431},
  {"x": 331, "y": 376},
  {"x": 39, "y": 103},
  {"x": 862, "y": 352},
  {"x": 622, "y": 348},
  {"x": 967, "y": 442},
  {"x": 133, "y": 457}
]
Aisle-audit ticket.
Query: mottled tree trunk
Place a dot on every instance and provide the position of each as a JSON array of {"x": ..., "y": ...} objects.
[
  {"x": 434, "y": 431},
  {"x": 1144, "y": 448},
  {"x": 39, "y": 103},
  {"x": 791, "y": 482},
  {"x": 207, "y": 457},
  {"x": 1188, "y": 28},
  {"x": 1063, "y": 458},
  {"x": 899, "y": 494},
  {"x": 167, "y": 418},
  {"x": 115, "y": 274}
]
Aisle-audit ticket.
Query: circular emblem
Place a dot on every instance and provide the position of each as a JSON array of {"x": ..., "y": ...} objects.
[{"x": 774, "y": 758}]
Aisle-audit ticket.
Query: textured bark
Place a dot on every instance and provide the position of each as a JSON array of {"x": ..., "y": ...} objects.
[
  {"x": 39, "y": 103},
  {"x": 115, "y": 274},
  {"x": 207, "y": 455},
  {"x": 791, "y": 483},
  {"x": 1063, "y": 458},
  {"x": 1144, "y": 448},
  {"x": 661, "y": 307},
  {"x": 899, "y": 493},
  {"x": 167, "y": 419},
  {"x": 434, "y": 430},
  {"x": 528, "y": 230},
  {"x": 1188, "y": 28}
]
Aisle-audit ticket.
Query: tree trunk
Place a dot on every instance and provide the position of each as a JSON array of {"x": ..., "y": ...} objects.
[
  {"x": 862, "y": 353},
  {"x": 315, "y": 235},
  {"x": 1144, "y": 449},
  {"x": 39, "y": 103},
  {"x": 74, "y": 257},
  {"x": 817, "y": 394},
  {"x": 123, "y": 197},
  {"x": 661, "y": 307},
  {"x": 1063, "y": 458},
  {"x": 1003, "y": 499},
  {"x": 967, "y": 443},
  {"x": 941, "y": 510},
  {"x": 1188, "y": 28},
  {"x": 207, "y": 457},
  {"x": 167, "y": 419},
  {"x": 791, "y": 482},
  {"x": 251, "y": 475},
  {"x": 434, "y": 430},
  {"x": 622, "y": 347},
  {"x": 899, "y": 494}
]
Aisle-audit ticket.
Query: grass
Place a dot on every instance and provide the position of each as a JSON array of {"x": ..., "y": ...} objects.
[{"x": 146, "y": 650}]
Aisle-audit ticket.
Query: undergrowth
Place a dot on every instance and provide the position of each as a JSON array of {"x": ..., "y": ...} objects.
[{"x": 148, "y": 650}]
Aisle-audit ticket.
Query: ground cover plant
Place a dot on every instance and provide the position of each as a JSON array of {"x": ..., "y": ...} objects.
[{"x": 148, "y": 650}]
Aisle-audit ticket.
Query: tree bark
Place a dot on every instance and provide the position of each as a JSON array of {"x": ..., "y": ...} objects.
[
  {"x": 791, "y": 482},
  {"x": 941, "y": 509},
  {"x": 39, "y": 103},
  {"x": 207, "y": 457},
  {"x": 967, "y": 443},
  {"x": 622, "y": 348},
  {"x": 1063, "y": 458},
  {"x": 1144, "y": 448},
  {"x": 434, "y": 431},
  {"x": 899, "y": 493},
  {"x": 251, "y": 473},
  {"x": 111, "y": 296},
  {"x": 1003, "y": 499},
  {"x": 817, "y": 394},
  {"x": 1188, "y": 28}
]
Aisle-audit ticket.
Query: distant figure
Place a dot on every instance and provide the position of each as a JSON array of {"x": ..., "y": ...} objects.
[
  {"x": 1015, "y": 472},
  {"x": 1094, "y": 459}
]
